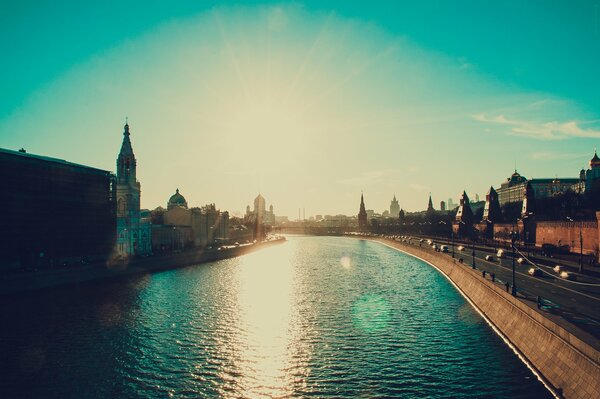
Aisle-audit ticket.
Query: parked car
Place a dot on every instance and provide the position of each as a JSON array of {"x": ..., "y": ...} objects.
[
  {"x": 489, "y": 258},
  {"x": 461, "y": 248},
  {"x": 444, "y": 248},
  {"x": 434, "y": 247},
  {"x": 500, "y": 253},
  {"x": 535, "y": 272}
]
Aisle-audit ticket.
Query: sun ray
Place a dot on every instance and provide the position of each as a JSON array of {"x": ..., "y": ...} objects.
[
  {"x": 307, "y": 59},
  {"x": 349, "y": 78},
  {"x": 233, "y": 59}
]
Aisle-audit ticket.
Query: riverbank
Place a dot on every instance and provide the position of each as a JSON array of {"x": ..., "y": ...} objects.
[
  {"x": 569, "y": 366},
  {"x": 16, "y": 284}
]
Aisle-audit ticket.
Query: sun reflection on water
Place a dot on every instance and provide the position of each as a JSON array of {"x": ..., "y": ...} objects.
[{"x": 265, "y": 306}]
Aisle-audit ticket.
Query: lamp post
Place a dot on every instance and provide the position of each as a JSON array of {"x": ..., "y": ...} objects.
[
  {"x": 452, "y": 238},
  {"x": 580, "y": 244},
  {"x": 473, "y": 250},
  {"x": 513, "y": 237}
]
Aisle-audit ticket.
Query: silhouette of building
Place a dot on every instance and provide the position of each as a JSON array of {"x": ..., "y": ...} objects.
[
  {"x": 464, "y": 216},
  {"x": 182, "y": 227},
  {"x": 133, "y": 233},
  {"x": 430, "y": 208},
  {"x": 442, "y": 206},
  {"x": 491, "y": 211},
  {"x": 394, "y": 208},
  {"x": 54, "y": 210},
  {"x": 260, "y": 212},
  {"x": 362, "y": 214}
]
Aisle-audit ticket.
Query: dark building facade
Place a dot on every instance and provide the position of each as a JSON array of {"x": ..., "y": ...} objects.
[
  {"x": 362, "y": 214},
  {"x": 56, "y": 210}
]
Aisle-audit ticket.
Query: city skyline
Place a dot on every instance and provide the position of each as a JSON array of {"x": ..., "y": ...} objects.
[{"x": 304, "y": 103}]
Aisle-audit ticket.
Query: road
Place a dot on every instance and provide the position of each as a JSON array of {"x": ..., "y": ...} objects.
[{"x": 577, "y": 303}]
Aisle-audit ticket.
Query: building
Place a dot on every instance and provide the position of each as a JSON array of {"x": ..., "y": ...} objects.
[
  {"x": 491, "y": 210},
  {"x": 394, "y": 208},
  {"x": 442, "y": 206},
  {"x": 54, "y": 211},
  {"x": 464, "y": 217},
  {"x": 260, "y": 212},
  {"x": 133, "y": 233},
  {"x": 513, "y": 188},
  {"x": 362, "y": 214},
  {"x": 181, "y": 227},
  {"x": 430, "y": 209}
]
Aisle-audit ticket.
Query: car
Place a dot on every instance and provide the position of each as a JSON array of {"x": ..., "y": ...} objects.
[
  {"x": 434, "y": 247},
  {"x": 444, "y": 248},
  {"x": 429, "y": 242},
  {"x": 500, "y": 253},
  {"x": 535, "y": 272},
  {"x": 568, "y": 276},
  {"x": 521, "y": 261},
  {"x": 461, "y": 248},
  {"x": 421, "y": 240},
  {"x": 489, "y": 258},
  {"x": 557, "y": 268}
]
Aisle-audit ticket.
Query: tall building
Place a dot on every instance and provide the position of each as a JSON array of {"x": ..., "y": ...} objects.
[
  {"x": 362, "y": 213},
  {"x": 491, "y": 211},
  {"x": 54, "y": 211},
  {"x": 442, "y": 206},
  {"x": 133, "y": 235},
  {"x": 430, "y": 205},
  {"x": 464, "y": 214},
  {"x": 394, "y": 207}
]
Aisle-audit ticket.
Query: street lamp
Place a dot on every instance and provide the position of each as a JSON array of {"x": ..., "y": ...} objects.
[
  {"x": 452, "y": 238},
  {"x": 580, "y": 244},
  {"x": 513, "y": 238},
  {"x": 473, "y": 249}
]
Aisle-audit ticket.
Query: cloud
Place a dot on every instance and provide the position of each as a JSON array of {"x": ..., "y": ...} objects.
[
  {"x": 552, "y": 156},
  {"x": 540, "y": 130}
]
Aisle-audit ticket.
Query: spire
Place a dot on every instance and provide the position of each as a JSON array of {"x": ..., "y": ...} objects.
[
  {"x": 126, "y": 148},
  {"x": 126, "y": 163},
  {"x": 430, "y": 204}
]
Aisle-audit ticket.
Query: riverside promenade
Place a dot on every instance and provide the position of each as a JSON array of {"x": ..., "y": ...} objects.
[
  {"x": 18, "y": 283},
  {"x": 567, "y": 364}
]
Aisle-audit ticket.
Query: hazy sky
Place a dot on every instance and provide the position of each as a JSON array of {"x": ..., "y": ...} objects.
[{"x": 309, "y": 102}]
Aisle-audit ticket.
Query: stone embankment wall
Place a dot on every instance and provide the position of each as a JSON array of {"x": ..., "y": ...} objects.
[{"x": 568, "y": 365}]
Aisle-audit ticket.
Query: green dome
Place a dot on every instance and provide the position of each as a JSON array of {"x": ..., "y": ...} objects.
[{"x": 177, "y": 200}]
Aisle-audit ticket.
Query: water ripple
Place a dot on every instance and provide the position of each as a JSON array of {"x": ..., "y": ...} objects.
[{"x": 316, "y": 317}]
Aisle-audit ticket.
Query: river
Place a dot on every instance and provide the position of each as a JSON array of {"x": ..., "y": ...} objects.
[{"x": 313, "y": 317}]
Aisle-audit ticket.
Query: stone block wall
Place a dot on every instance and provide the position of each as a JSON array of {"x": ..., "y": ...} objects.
[{"x": 568, "y": 365}]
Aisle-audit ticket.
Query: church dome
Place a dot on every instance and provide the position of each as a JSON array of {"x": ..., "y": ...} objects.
[{"x": 177, "y": 200}]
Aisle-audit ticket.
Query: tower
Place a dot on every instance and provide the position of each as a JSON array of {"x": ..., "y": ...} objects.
[
  {"x": 362, "y": 214},
  {"x": 528, "y": 201},
  {"x": 491, "y": 211},
  {"x": 464, "y": 214},
  {"x": 430, "y": 205},
  {"x": 132, "y": 237},
  {"x": 394, "y": 207}
]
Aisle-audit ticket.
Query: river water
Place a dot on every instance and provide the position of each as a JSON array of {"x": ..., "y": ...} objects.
[{"x": 313, "y": 317}]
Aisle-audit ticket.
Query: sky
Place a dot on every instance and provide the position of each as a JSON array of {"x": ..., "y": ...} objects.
[{"x": 308, "y": 103}]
